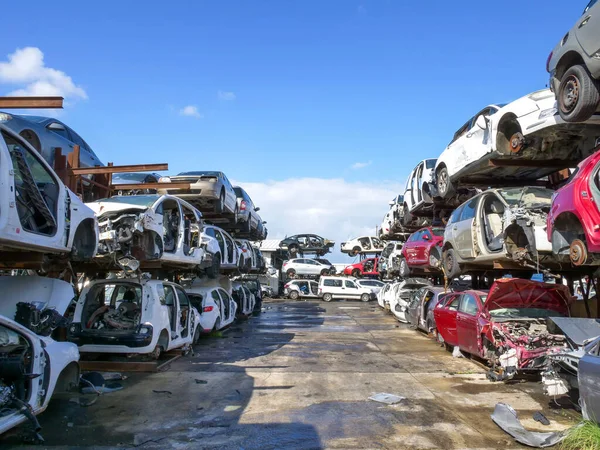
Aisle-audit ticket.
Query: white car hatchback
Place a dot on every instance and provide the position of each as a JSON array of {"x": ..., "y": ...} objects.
[
  {"x": 363, "y": 244},
  {"x": 296, "y": 289},
  {"x": 415, "y": 199},
  {"x": 307, "y": 267},
  {"x": 218, "y": 306},
  {"x": 344, "y": 288}
]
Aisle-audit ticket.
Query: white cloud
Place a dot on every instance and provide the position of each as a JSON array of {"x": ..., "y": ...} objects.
[
  {"x": 26, "y": 67},
  {"x": 226, "y": 96},
  {"x": 333, "y": 208},
  {"x": 360, "y": 165},
  {"x": 190, "y": 111}
]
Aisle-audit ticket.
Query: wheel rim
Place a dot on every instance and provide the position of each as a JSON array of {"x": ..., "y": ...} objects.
[
  {"x": 570, "y": 94},
  {"x": 294, "y": 295},
  {"x": 449, "y": 263},
  {"x": 578, "y": 252},
  {"x": 442, "y": 181},
  {"x": 516, "y": 142}
]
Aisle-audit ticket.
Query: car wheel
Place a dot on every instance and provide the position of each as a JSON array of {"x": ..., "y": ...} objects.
[
  {"x": 217, "y": 325},
  {"x": 156, "y": 352},
  {"x": 404, "y": 269},
  {"x": 294, "y": 295},
  {"x": 197, "y": 335},
  {"x": 327, "y": 297},
  {"x": 291, "y": 273},
  {"x": 444, "y": 185},
  {"x": 578, "y": 252},
  {"x": 407, "y": 217},
  {"x": 578, "y": 95},
  {"x": 213, "y": 271},
  {"x": 293, "y": 249},
  {"x": 324, "y": 272},
  {"x": 365, "y": 298},
  {"x": 450, "y": 264},
  {"x": 221, "y": 205},
  {"x": 355, "y": 251}
]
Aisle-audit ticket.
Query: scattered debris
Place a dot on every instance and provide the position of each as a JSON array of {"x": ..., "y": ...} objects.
[
  {"x": 506, "y": 418},
  {"x": 541, "y": 418},
  {"x": 388, "y": 399},
  {"x": 162, "y": 392},
  {"x": 231, "y": 408},
  {"x": 198, "y": 381},
  {"x": 456, "y": 353},
  {"x": 95, "y": 383}
]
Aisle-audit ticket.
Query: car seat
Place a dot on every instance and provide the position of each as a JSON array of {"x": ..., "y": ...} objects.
[{"x": 493, "y": 225}]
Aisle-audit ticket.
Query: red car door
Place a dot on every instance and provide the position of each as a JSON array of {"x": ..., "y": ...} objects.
[
  {"x": 423, "y": 250},
  {"x": 410, "y": 248},
  {"x": 466, "y": 323},
  {"x": 445, "y": 319}
]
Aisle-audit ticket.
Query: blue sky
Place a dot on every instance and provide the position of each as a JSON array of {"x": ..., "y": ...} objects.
[{"x": 308, "y": 88}]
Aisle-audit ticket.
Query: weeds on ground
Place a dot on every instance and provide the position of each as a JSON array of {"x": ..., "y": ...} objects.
[{"x": 585, "y": 436}]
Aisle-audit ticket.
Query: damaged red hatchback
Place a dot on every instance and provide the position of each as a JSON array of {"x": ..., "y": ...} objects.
[{"x": 505, "y": 325}]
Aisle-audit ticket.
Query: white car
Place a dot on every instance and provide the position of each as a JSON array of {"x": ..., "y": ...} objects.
[
  {"x": 218, "y": 307},
  {"x": 244, "y": 299},
  {"x": 389, "y": 260},
  {"x": 527, "y": 129},
  {"x": 307, "y": 267},
  {"x": 402, "y": 292},
  {"x": 25, "y": 351},
  {"x": 415, "y": 198},
  {"x": 296, "y": 289},
  {"x": 390, "y": 224},
  {"x": 37, "y": 211},
  {"x": 139, "y": 228},
  {"x": 345, "y": 288},
  {"x": 363, "y": 244},
  {"x": 385, "y": 295},
  {"x": 249, "y": 261},
  {"x": 229, "y": 254},
  {"x": 132, "y": 315},
  {"x": 374, "y": 285}
]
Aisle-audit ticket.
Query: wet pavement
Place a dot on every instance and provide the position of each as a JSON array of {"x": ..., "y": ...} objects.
[{"x": 299, "y": 376}]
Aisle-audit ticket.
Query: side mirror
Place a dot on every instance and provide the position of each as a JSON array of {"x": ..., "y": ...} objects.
[
  {"x": 257, "y": 209},
  {"x": 426, "y": 237},
  {"x": 482, "y": 122},
  {"x": 392, "y": 203}
]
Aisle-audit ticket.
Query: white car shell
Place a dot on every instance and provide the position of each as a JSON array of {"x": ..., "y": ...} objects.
[
  {"x": 219, "y": 308},
  {"x": 229, "y": 251},
  {"x": 245, "y": 300},
  {"x": 295, "y": 289},
  {"x": 305, "y": 266},
  {"x": 363, "y": 244},
  {"x": 37, "y": 211},
  {"x": 414, "y": 198},
  {"x": 58, "y": 362},
  {"x": 400, "y": 298}
]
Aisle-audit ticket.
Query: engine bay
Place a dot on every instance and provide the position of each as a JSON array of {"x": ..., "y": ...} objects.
[{"x": 530, "y": 334}]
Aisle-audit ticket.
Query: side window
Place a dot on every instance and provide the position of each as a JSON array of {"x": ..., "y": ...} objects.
[
  {"x": 455, "y": 216},
  {"x": 426, "y": 233},
  {"x": 210, "y": 231},
  {"x": 328, "y": 283},
  {"x": 59, "y": 129},
  {"x": 215, "y": 297},
  {"x": 169, "y": 295},
  {"x": 453, "y": 305},
  {"x": 468, "y": 305},
  {"x": 469, "y": 208},
  {"x": 350, "y": 284},
  {"x": 182, "y": 296}
]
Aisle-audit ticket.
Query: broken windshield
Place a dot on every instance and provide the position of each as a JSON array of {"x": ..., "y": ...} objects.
[{"x": 529, "y": 197}]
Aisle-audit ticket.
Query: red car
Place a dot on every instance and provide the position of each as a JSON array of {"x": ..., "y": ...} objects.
[
  {"x": 574, "y": 219},
  {"x": 422, "y": 251},
  {"x": 367, "y": 267},
  {"x": 507, "y": 325}
]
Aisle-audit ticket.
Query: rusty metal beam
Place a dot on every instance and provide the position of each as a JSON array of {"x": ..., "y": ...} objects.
[
  {"x": 31, "y": 102},
  {"x": 551, "y": 163},
  {"x": 128, "y": 187},
  {"x": 120, "y": 169}
]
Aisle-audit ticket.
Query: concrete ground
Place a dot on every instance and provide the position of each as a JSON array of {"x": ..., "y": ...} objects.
[{"x": 299, "y": 376}]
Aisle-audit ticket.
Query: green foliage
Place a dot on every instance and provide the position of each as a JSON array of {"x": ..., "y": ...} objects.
[{"x": 586, "y": 436}]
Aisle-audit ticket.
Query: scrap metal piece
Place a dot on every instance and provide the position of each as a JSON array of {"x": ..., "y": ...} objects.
[
  {"x": 388, "y": 399},
  {"x": 506, "y": 418}
]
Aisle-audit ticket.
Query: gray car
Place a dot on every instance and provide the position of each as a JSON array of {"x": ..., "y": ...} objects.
[
  {"x": 574, "y": 67},
  {"x": 422, "y": 303},
  {"x": 248, "y": 219},
  {"x": 46, "y": 134},
  {"x": 589, "y": 388}
]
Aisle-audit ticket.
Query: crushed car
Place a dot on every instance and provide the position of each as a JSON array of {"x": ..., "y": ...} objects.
[
  {"x": 133, "y": 316},
  {"x": 499, "y": 225},
  {"x": 33, "y": 366},
  {"x": 506, "y": 326},
  {"x": 421, "y": 306},
  {"x": 139, "y": 228}
]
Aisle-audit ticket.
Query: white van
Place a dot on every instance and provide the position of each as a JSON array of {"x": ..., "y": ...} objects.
[{"x": 337, "y": 287}]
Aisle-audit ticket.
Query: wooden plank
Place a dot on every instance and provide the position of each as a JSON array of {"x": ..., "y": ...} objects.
[
  {"x": 120, "y": 169},
  {"x": 553, "y": 163},
  {"x": 128, "y": 187},
  {"x": 168, "y": 361},
  {"x": 31, "y": 102},
  {"x": 119, "y": 366}
]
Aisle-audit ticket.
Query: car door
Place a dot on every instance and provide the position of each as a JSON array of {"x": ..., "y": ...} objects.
[
  {"x": 587, "y": 28},
  {"x": 446, "y": 320},
  {"x": 422, "y": 250},
  {"x": 227, "y": 303},
  {"x": 217, "y": 299},
  {"x": 231, "y": 248},
  {"x": 220, "y": 240},
  {"x": 230, "y": 197},
  {"x": 351, "y": 289},
  {"x": 410, "y": 248},
  {"x": 416, "y": 195},
  {"x": 466, "y": 323},
  {"x": 462, "y": 230},
  {"x": 408, "y": 196},
  {"x": 314, "y": 288},
  {"x": 589, "y": 388},
  {"x": 314, "y": 267},
  {"x": 185, "y": 322},
  {"x": 456, "y": 152},
  {"x": 477, "y": 142}
]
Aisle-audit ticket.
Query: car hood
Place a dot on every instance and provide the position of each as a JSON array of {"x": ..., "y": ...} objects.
[
  {"x": 520, "y": 293},
  {"x": 535, "y": 101},
  {"x": 44, "y": 292}
]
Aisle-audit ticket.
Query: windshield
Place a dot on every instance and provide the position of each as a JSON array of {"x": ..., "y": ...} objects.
[
  {"x": 200, "y": 174},
  {"x": 139, "y": 200},
  {"x": 130, "y": 176},
  {"x": 529, "y": 197},
  {"x": 437, "y": 231},
  {"x": 523, "y": 313}
]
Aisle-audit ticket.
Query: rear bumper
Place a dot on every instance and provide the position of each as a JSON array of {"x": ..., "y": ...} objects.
[{"x": 131, "y": 341}]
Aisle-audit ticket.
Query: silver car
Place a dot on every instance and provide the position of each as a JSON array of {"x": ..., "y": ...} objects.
[
  {"x": 210, "y": 191},
  {"x": 248, "y": 219},
  {"x": 46, "y": 134},
  {"x": 574, "y": 67},
  {"x": 307, "y": 267}
]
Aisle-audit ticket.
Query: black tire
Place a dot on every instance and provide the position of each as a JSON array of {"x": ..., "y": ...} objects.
[
  {"x": 220, "y": 207},
  {"x": 294, "y": 295},
  {"x": 365, "y": 298},
  {"x": 578, "y": 95},
  {"x": 404, "y": 269},
  {"x": 217, "y": 326},
  {"x": 158, "y": 350},
  {"x": 327, "y": 297},
  {"x": 324, "y": 272},
  {"x": 444, "y": 185},
  {"x": 196, "y": 335},
  {"x": 355, "y": 251},
  {"x": 213, "y": 271},
  {"x": 293, "y": 249},
  {"x": 450, "y": 263},
  {"x": 291, "y": 273},
  {"x": 356, "y": 273}
]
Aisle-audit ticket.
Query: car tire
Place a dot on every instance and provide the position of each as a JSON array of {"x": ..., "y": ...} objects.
[
  {"x": 450, "y": 264},
  {"x": 444, "y": 185},
  {"x": 356, "y": 273},
  {"x": 220, "y": 208},
  {"x": 217, "y": 326},
  {"x": 324, "y": 272},
  {"x": 158, "y": 350},
  {"x": 404, "y": 269},
  {"x": 355, "y": 251},
  {"x": 578, "y": 95},
  {"x": 365, "y": 298},
  {"x": 327, "y": 297},
  {"x": 213, "y": 271},
  {"x": 294, "y": 295},
  {"x": 293, "y": 250},
  {"x": 291, "y": 273},
  {"x": 196, "y": 335}
]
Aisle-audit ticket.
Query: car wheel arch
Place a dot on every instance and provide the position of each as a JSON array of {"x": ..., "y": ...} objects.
[
  {"x": 68, "y": 378},
  {"x": 508, "y": 125},
  {"x": 85, "y": 240},
  {"x": 564, "y": 224},
  {"x": 569, "y": 59}
]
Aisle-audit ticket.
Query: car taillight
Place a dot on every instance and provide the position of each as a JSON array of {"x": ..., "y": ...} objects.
[
  {"x": 284, "y": 264},
  {"x": 207, "y": 309},
  {"x": 243, "y": 205},
  {"x": 548, "y": 61}
]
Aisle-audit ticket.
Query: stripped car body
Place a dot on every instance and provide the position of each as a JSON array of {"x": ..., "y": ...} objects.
[
  {"x": 360, "y": 245},
  {"x": 152, "y": 227},
  {"x": 402, "y": 293},
  {"x": 421, "y": 306},
  {"x": 499, "y": 225},
  {"x": 34, "y": 366},
  {"x": 507, "y": 326}
]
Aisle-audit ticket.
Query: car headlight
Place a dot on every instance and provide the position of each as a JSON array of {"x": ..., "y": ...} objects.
[
  {"x": 547, "y": 113},
  {"x": 5, "y": 117}
]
